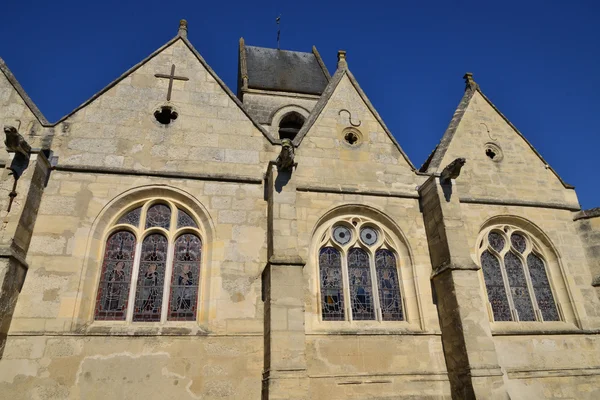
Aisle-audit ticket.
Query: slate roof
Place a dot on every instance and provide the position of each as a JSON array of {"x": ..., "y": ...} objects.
[{"x": 285, "y": 71}]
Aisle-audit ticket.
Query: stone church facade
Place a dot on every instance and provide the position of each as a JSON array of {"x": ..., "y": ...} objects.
[{"x": 170, "y": 239}]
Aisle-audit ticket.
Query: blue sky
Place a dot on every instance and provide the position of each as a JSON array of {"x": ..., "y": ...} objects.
[{"x": 538, "y": 61}]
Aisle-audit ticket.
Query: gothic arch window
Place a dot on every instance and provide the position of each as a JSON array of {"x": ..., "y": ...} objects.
[
  {"x": 358, "y": 273},
  {"x": 151, "y": 266},
  {"x": 516, "y": 276}
]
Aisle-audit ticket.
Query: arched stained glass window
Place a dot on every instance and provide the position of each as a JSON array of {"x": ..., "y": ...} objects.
[
  {"x": 132, "y": 217},
  {"x": 184, "y": 284},
  {"x": 359, "y": 273},
  {"x": 184, "y": 219},
  {"x": 111, "y": 303},
  {"x": 541, "y": 288},
  {"x": 332, "y": 294},
  {"x": 158, "y": 215},
  {"x": 151, "y": 278},
  {"x": 515, "y": 277},
  {"x": 361, "y": 290},
  {"x": 494, "y": 284},
  {"x": 164, "y": 287},
  {"x": 390, "y": 297}
]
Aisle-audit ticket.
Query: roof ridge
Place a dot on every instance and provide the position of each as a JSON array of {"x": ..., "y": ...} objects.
[{"x": 19, "y": 89}]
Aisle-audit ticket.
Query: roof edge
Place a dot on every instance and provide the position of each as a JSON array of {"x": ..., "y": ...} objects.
[
  {"x": 435, "y": 158},
  {"x": 119, "y": 79},
  {"x": 182, "y": 37},
  {"x": 19, "y": 89},
  {"x": 231, "y": 95},
  {"x": 321, "y": 63},
  {"x": 328, "y": 92},
  {"x": 566, "y": 185},
  {"x": 316, "y": 111}
]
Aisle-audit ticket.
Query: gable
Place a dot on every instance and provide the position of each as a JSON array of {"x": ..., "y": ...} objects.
[
  {"x": 375, "y": 161},
  {"x": 18, "y": 110},
  {"x": 117, "y": 128},
  {"x": 500, "y": 162}
]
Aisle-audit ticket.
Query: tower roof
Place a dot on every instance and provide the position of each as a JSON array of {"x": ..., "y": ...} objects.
[{"x": 283, "y": 70}]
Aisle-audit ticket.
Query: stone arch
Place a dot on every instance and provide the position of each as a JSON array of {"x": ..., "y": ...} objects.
[
  {"x": 413, "y": 312},
  {"x": 280, "y": 114},
  {"x": 103, "y": 225},
  {"x": 557, "y": 271}
]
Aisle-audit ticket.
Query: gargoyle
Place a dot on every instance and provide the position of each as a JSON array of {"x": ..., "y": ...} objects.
[
  {"x": 285, "y": 160},
  {"x": 15, "y": 142},
  {"x": 452, "y": 170}
]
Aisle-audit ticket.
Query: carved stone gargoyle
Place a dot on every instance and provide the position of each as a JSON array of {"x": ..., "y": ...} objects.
[
  {"x": 452, "y": 170},
  {"x": 285, "y": 159},
  {"x": 15, "y": 142}
]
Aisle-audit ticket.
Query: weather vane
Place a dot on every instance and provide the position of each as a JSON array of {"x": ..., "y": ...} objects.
[{"x": 278, "y": 30}]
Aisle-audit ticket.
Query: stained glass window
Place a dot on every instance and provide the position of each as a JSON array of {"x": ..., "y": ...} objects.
[
  {"x": 518, "y": 242},
  {"x": 111, "y": 303},
  {"x": 132, "y": 217},
  {"x": 512, "y": 272},
  {"x": 184, "y": 283},
  {"x": 184, "y": 219},
  {"x": 332, "y": 294},
  {"x": 151, "y": 277},
  {"x": 518, "y": 287},
  {"x": 361, "y": 289},
  {"x": 496, "y": 241},
  {"x": 541, "y": 288},
  {"x": 390, "y": 298},
  {"x": 177, "y": 293},
  {"x": 494, "y": 284},
  {"x": 158, "y": 215}
]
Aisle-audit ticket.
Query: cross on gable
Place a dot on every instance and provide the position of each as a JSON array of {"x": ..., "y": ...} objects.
[{"x": 171, "y": 78}]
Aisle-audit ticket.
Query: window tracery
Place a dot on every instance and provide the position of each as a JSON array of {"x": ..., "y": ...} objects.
[
  {"x": 515, "y": 276},
  {"x": 358, "y": 270},
  {"x": 151, "y": 266}
]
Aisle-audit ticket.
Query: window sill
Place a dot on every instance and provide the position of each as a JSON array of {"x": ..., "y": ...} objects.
[
  {"x": 534, "y": 328},
  {"x": 122, "y": 328},
  {"x": 367, "y": 328}
]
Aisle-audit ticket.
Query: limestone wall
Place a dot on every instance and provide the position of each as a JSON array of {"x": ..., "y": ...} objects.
[
  {"x": 374, "y": 162},
  {"x": 515, "y": 173},
  {"x": 125, "y": 367},
  {"x": 15, "y": 112},
  {"x": 547, "y": 359},
  {"x": 210, "y": 135},
  {"x": 588, "y": 223},
  {"x": 75, "y": 214}
]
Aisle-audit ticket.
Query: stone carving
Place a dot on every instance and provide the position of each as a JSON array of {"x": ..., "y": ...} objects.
[
  {"x": 452, "y": 170},
  {"x": 285, "y": 160},
  {"x": 15, "y": 142}
]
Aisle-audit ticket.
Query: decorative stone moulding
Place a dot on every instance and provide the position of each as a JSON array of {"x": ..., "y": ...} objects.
[
  {"x": 165, "y": 114},
  {"x": 352, "y": 137},
  {"x": 494, "y": 152}
]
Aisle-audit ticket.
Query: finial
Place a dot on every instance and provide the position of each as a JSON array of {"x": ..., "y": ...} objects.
[
  {"x": 182, "y": 28},
  {"x": 469, "y": 81},
  {"x": 342, "y": 63}
]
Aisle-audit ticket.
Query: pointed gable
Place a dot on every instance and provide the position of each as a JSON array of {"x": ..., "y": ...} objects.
[
  {"x": 208, "y": 132},
  {"x": 372, "y": 157},
  {"x": 501, "y": 163},
  {"x": 18, "y": 110}
]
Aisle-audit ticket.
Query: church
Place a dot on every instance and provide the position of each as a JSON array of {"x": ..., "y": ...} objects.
[{"x": 174, "y": 238}]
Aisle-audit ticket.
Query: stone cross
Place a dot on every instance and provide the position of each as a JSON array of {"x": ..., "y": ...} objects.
[{"x": 171, "y": 78}]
